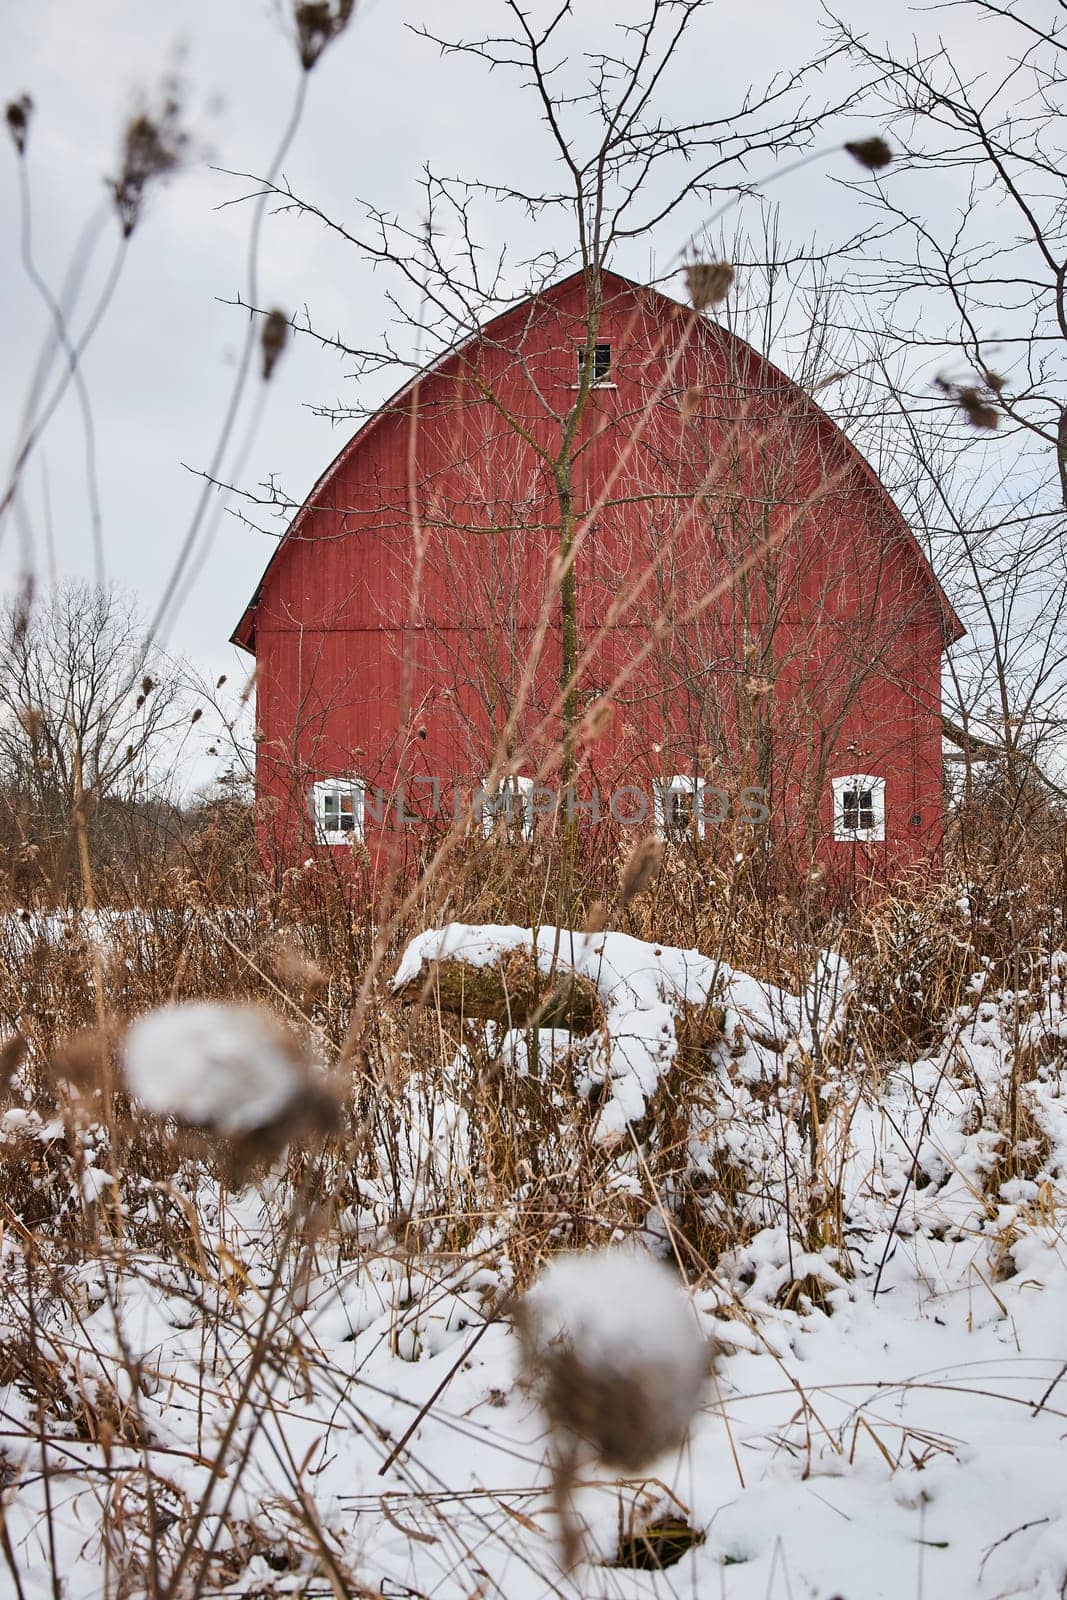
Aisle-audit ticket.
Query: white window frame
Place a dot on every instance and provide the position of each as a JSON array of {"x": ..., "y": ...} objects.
[
  {"x": 500, "y": 803},
  {"x": 341, "y": 788},
  {"x": 851, "y": 783},
  {"x": 681, "y": 783}
]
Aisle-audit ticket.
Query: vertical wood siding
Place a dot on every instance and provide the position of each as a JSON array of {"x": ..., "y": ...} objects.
[{"x": 748, "y": 594}]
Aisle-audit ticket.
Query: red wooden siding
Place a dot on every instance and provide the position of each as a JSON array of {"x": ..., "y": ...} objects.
[{"x": 746, "y": 589}]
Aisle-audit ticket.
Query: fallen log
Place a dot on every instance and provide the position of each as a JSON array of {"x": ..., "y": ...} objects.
[{"x": 514, "y": 992}]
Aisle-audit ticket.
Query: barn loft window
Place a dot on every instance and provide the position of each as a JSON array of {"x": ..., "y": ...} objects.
[
  {"x": 601, "y": 374},
  {"x": 509, "y": 807},
  {"x": 337, "y": 811},
  {"x": 859, "y": 809},
  {"x": 680, "y": 807}
]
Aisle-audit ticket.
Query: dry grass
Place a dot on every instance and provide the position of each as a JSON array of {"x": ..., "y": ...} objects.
[{"x": 450, "y": 1166}]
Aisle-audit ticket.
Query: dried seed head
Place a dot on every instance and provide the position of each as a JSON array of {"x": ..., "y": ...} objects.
[
  {"x": 874, "y": 154},
  {"x": 294, "y": 969},
  {"x": 314, "y": 1117},
  {"x": 611, "y": 1348},
  {"x": 644, "y": 862},
  {"x": 83, "y": 1059},
  {"x": 197, "y": 714},
  {"x": 595, "y": 918},
  {"x": 221, "y": 681},
  {"x": 147, "y": 685},
  {"x": 12, "y": 1055},
  {"x": 273, "y": 340},
  {"x": 318, "y": 24},
  {"x": 18, "y": 121},
  {"x": 978, "y": 410},
  {"x": 757, "y": 688},
  {"x": 31, "y": 721},
  {"x": 708, "y": 282},
  {"x": 22, "y": 610},
  {"x": 691, "y": 403},
  {"x": 227, "y": 1068},
  {"x": 596, "y": 720},
  {"x": 153, "y": 145}
]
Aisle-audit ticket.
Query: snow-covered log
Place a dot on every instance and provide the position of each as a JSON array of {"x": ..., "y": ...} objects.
[
  {"x": 516, "y": 993},
  {"x": 628, "y": 1001}
]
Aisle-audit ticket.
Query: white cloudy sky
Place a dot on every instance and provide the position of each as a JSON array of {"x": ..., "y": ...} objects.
[{"x": 382, "y": 103}]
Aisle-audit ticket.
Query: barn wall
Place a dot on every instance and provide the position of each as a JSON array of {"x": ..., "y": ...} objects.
[{"x": 749, "y": 600}]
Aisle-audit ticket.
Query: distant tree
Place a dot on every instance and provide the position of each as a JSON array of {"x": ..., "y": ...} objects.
[
  {"x": 965, "y": 269},
  {"x": 218, "y": 836},
  {"x": 87, "y": 716}
]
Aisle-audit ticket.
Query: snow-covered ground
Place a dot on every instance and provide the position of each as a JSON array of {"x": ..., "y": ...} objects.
[{"x": 887, "y": 1415}]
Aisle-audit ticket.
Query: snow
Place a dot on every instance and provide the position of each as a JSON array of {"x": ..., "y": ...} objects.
[
  {"x": 95, "y": 1182},
  {"x": 619, "y": 1309},
  {"x": 643, "y": 989},
  {"x": 615, "y": 1324},
  {"x": 887, "y": 1415},
  {"x": 230, "y": 1068}
]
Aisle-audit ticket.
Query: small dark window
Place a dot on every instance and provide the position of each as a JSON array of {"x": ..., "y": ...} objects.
[
  {"x": 339, "y": 812},
  {"x": 857, "y": 808},
  {"x": 601, "y": 363},
  {"x": 681, "y": 810}
]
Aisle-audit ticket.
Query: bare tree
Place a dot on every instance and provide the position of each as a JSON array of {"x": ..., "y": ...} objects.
[
  {"x": 974, "y": 292},
  {"x": 87, "y": 720}
]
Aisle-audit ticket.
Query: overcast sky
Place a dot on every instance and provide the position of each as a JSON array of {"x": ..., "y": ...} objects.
[{"x": 381, "y": 104}]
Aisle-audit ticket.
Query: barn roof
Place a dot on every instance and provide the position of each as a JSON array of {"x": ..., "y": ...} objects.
[{"x": 245, "y": 631}]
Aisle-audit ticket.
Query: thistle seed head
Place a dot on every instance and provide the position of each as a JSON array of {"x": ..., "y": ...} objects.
[
  {"x": 708, "y": 282},
  {"x": 153, "y": 145},
  {"x": 273, "y": 340},
  {"x": 18, "y": 121},
  {"x": 874, "y": 154},
  {"x": 642, "y": 865},
  {"x": 611, "y": 1348},
  {"x": 978, "y": 411},
  {"x": 977, "y": 406},
  {"x": 318, "y": 24}
]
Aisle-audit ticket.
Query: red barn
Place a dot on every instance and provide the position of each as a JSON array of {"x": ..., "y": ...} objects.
[{"x": 612, "y": 480}]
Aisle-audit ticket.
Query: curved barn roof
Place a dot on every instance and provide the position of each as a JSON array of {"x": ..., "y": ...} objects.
[{"x": 244, "y": 633}]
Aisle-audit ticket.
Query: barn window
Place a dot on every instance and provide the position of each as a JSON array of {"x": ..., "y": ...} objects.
[
  {"x": 859, "y": 809},
  {"x": 601, "y": 375},
  {"x": 509, "y": 807},
  {"x": 680, "y": 807},
  {"x": 337, "y": 810}
]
